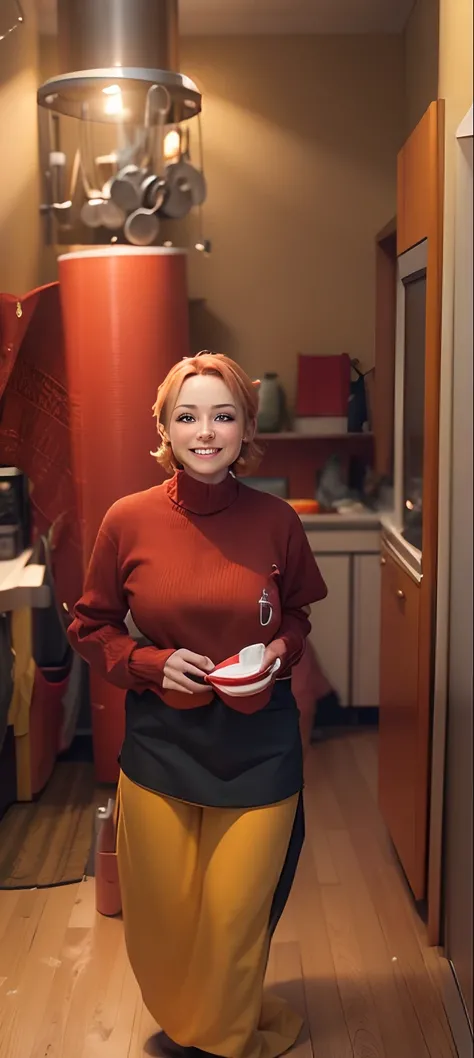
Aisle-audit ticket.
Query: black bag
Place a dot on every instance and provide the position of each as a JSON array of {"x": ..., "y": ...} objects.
[{"x": 357, "y": 414}]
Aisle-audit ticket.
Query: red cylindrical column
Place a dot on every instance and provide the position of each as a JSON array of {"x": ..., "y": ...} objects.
[{"x": 125, "y": 312}]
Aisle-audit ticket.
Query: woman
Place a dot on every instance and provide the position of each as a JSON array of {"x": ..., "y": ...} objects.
[{"x": 210, "y": 818}]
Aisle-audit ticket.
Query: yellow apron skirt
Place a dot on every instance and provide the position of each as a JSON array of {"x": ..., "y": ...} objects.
[{"x": 198, "y": 887}]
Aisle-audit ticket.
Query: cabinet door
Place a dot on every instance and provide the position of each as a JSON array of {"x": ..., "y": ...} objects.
[
  {"x": 403, "y": 802},
  {"x": 366, "y": 631},
  {"x": 330, "y": 633}
]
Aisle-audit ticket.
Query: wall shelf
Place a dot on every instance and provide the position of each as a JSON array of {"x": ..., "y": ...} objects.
[
  {"x": 299, "y": 458},
  {"x": 291, "y": 436}
]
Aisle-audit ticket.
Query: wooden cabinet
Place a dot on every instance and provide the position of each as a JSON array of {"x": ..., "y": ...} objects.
[
  {"x": 409, "y": 581},
  {"x": 402, "y": 787}
]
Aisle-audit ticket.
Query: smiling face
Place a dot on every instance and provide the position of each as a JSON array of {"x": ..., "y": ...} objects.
[{"x": 206, "y": 428}]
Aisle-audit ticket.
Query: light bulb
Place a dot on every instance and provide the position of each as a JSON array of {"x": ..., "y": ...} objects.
[
  {"x": 172, "y": 144},
  {"x": 113, "y": 104}
]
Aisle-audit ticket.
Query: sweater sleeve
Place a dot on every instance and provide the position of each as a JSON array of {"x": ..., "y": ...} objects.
[
  {"x": 99, "y": 634},
  {"x": 302, "y": 585}
]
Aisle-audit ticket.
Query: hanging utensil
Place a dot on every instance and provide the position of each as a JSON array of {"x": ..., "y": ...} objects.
[
  {"x": 141, "y": 227},
  {"x": 186, "y": 187},
  {"x": 158, "y": 103},
  {"x": 90, "y": 213},
  {"x": 125, "y": 188},
  {"x": 111, "y": 216},
  {"x": 153, "y": 190}
]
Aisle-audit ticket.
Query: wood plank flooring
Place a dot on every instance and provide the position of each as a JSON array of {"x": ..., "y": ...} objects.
[
  {"x": 350, "y": 953},
  {"x": 47, "y": 842}
]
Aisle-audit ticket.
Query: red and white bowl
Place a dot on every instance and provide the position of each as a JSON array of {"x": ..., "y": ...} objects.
[{"x": 243, "y": 673}]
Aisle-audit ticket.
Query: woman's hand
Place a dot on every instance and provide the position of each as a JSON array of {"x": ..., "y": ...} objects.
[
  {"x": 276, "y": 649},
  {"x": 180, "y": 663}
]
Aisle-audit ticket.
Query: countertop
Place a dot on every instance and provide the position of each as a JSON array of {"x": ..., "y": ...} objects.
[
  {"x": 350, "y": 520},
  {"x": 22, "y": 584}
]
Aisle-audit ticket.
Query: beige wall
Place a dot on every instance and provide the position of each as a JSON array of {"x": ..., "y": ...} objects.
[
  {"x": 300, "y": 140},
  {"x": 421, "y": 42},
  {"x": 455, "y": 87},
  {"x": 19, "y": 196},
  {"x": 455, "y": 62}
]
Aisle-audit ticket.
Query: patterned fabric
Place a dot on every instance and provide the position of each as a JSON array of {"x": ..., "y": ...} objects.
[{"x": 34, "y": 424}]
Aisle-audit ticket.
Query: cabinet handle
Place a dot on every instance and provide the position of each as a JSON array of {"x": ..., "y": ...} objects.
[
  {"x": 400, "y": 594},
  {"x": 383, "y": 561}
]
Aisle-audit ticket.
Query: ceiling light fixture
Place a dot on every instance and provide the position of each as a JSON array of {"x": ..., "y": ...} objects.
[
  {"x": 114, "y": 103},
  {"x": 119, "y": 61},
  {"x": 129, "y": 45}
]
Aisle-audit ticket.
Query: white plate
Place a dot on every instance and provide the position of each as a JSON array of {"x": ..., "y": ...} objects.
[
  {"x": 249, "y": 664},
  {"x": 249, "y": 689}
]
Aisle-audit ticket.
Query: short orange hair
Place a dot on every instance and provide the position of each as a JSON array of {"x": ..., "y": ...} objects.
[{"x": 244, "y": 391}]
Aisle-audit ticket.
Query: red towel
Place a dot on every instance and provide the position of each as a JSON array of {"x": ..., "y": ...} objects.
[{"x": 323, "y": 385}]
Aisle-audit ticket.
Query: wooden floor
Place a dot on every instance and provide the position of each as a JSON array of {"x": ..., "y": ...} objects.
[
  {"x": 351, "y": 951},
  {"x": 48, "y": 842}
]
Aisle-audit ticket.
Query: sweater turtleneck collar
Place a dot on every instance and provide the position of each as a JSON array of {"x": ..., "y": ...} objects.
[{"x": 200, "y": 498}]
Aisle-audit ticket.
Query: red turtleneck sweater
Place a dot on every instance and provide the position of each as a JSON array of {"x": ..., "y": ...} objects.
[{"x": 190, "y": 561}]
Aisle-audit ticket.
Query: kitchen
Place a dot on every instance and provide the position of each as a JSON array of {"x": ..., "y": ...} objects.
[{"x": 301, "y": 129}]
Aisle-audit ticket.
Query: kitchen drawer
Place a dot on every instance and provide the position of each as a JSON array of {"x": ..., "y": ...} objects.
[{"x": 330, "y": 624}]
